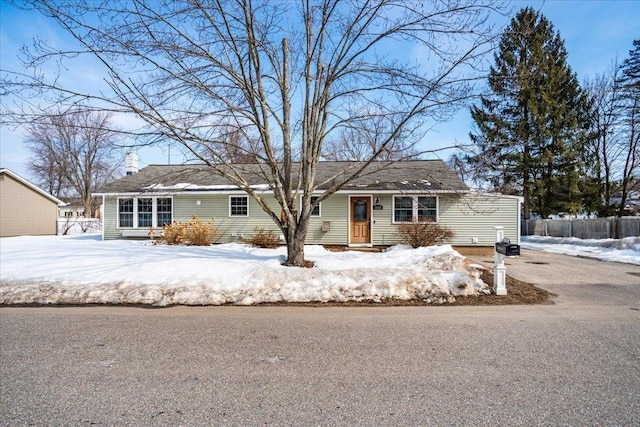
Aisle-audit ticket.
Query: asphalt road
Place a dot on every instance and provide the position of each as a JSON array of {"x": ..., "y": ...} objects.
[{"x": 574, "y": 362}]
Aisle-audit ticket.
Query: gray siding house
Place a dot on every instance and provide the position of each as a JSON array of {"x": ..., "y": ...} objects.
[{"x": 366, "y": 212}]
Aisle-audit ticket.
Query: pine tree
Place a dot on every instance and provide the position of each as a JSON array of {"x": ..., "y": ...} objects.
[
  {"x": 628, "y": 90},
  {"x": 530, "y": 129},
  {"x": 631, "y": 68}
]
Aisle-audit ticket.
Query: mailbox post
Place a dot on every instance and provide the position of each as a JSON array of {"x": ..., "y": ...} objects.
[
  {"x": 499, "y": 270},
  {"x": 503, "y": 247}
]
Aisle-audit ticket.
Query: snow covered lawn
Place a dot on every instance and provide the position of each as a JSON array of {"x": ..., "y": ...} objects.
[
  {"x": 84, "y": 269},
  {"x": 625, "y": 250}
]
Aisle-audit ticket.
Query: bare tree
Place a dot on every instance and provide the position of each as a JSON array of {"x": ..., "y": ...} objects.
[
  {"x": 234, "y": 146},
  {"x": 289, "y": 75},
  {"x": 604, "y": 150},
  {"x": 75, "y": 151},
  {"x": 361, "y": 142},
  {"x": 628, "y": 84},
  {"x": 615, "y": 118},
  {"x": 46, "y": 172}
]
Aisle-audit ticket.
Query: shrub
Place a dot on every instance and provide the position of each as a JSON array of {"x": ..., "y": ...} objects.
[
  {"x": 264, "y": 238},
  {"x": 417, "y": 234},
  {"x": 193, "y": 232}
]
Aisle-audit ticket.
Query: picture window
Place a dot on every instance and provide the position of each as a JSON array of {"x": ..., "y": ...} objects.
[{"x": 144, "y": 212}]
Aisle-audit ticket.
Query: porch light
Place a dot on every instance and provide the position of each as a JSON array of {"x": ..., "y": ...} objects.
[{"x": 376, "y": 204}]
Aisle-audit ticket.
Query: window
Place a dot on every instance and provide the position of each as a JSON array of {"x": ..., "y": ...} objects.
[
  {"x": 415, "y": 208},
  {"x": 403, "y": 210},
  {"x": 427, "y": 209},
  {"x": 163, "y": 211},
  {"x": 125, "y": 212},
  {"x": 144, "y": 212},
  {"x": 360, "y": 210},
  {"x": 239, "y": 206},
  {"x": 316, "y": 210}
]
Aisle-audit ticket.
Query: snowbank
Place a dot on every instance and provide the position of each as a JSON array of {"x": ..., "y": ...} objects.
[
  {"x": 84, "y": 269},
  {"x": 625, "y": 250}
]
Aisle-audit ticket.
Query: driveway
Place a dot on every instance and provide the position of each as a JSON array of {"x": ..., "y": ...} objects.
[
  {"x": 576, "y": 280},
  {"x": 574, "y": 362}
]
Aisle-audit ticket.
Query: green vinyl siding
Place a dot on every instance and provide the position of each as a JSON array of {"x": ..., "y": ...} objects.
[
  {"x": 110, "y": 218},
  {"x": 334, "y": 211},
  {"x": 383, "y": 231},
  {"x": 471, "y": 216},
  {"x": 475, "y": 216},
  {"x": 234, "y": 229}
]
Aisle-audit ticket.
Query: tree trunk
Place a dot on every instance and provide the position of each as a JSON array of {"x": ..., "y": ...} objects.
[
  {"x": 295, "y": 250},
  {"x": 88, "y": 208},
  {"x": 296, "y": 234},
  {"x": 526, "y": 166}
]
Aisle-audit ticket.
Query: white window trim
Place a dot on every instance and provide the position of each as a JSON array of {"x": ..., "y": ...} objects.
[
  {"x": 414, "y": 213},
  {"x": 319, "y": 208},
  {"x": 154, "y": 211},
  {"x": 238, "y": 196}
]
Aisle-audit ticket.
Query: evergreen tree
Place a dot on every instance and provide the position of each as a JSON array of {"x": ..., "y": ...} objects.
[
  {"x": 631, "y": 68},
  {"x": 530, "y": 130},
  {"x": 628, "y": 92}
]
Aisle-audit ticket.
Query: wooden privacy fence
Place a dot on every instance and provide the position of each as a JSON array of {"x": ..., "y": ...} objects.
[{"x": 596, "y": 228}]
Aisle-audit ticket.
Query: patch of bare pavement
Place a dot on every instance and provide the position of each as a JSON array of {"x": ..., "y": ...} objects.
[
  {"x": 576, "y": 280},
  {"x": 573, "y": 362}
]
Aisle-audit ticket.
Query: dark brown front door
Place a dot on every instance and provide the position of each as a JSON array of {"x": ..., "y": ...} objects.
[{"x": 360, "y": 220}]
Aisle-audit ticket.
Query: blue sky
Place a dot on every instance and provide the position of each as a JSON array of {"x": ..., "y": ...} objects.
[{"x": 595, "y": 33}]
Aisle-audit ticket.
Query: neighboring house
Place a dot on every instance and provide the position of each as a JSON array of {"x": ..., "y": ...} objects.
[
  {"x": 74, "y": 208},
  {"x": 632, "y": 204},
  {"x": 365, "y": 212},
  {"x": 24, "y": 208}
]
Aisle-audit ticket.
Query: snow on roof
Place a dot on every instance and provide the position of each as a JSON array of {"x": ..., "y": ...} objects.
[
  {"x": 415, "y": 175},
  {"x": 183, "y": 186}
]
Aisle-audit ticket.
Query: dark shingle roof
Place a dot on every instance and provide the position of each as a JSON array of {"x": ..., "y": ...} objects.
[{"x": 414, "y": 175}]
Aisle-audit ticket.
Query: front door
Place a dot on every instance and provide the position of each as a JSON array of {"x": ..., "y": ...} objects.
[{"x": 360, "y": 220}]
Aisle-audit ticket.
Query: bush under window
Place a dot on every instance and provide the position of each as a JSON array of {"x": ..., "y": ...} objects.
[
  {"x": 427, "y": 233},
  {"x": 194, "y": 232}
]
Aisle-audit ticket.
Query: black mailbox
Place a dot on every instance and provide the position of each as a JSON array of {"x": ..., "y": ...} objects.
[{"x": 507, "y": 248}]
